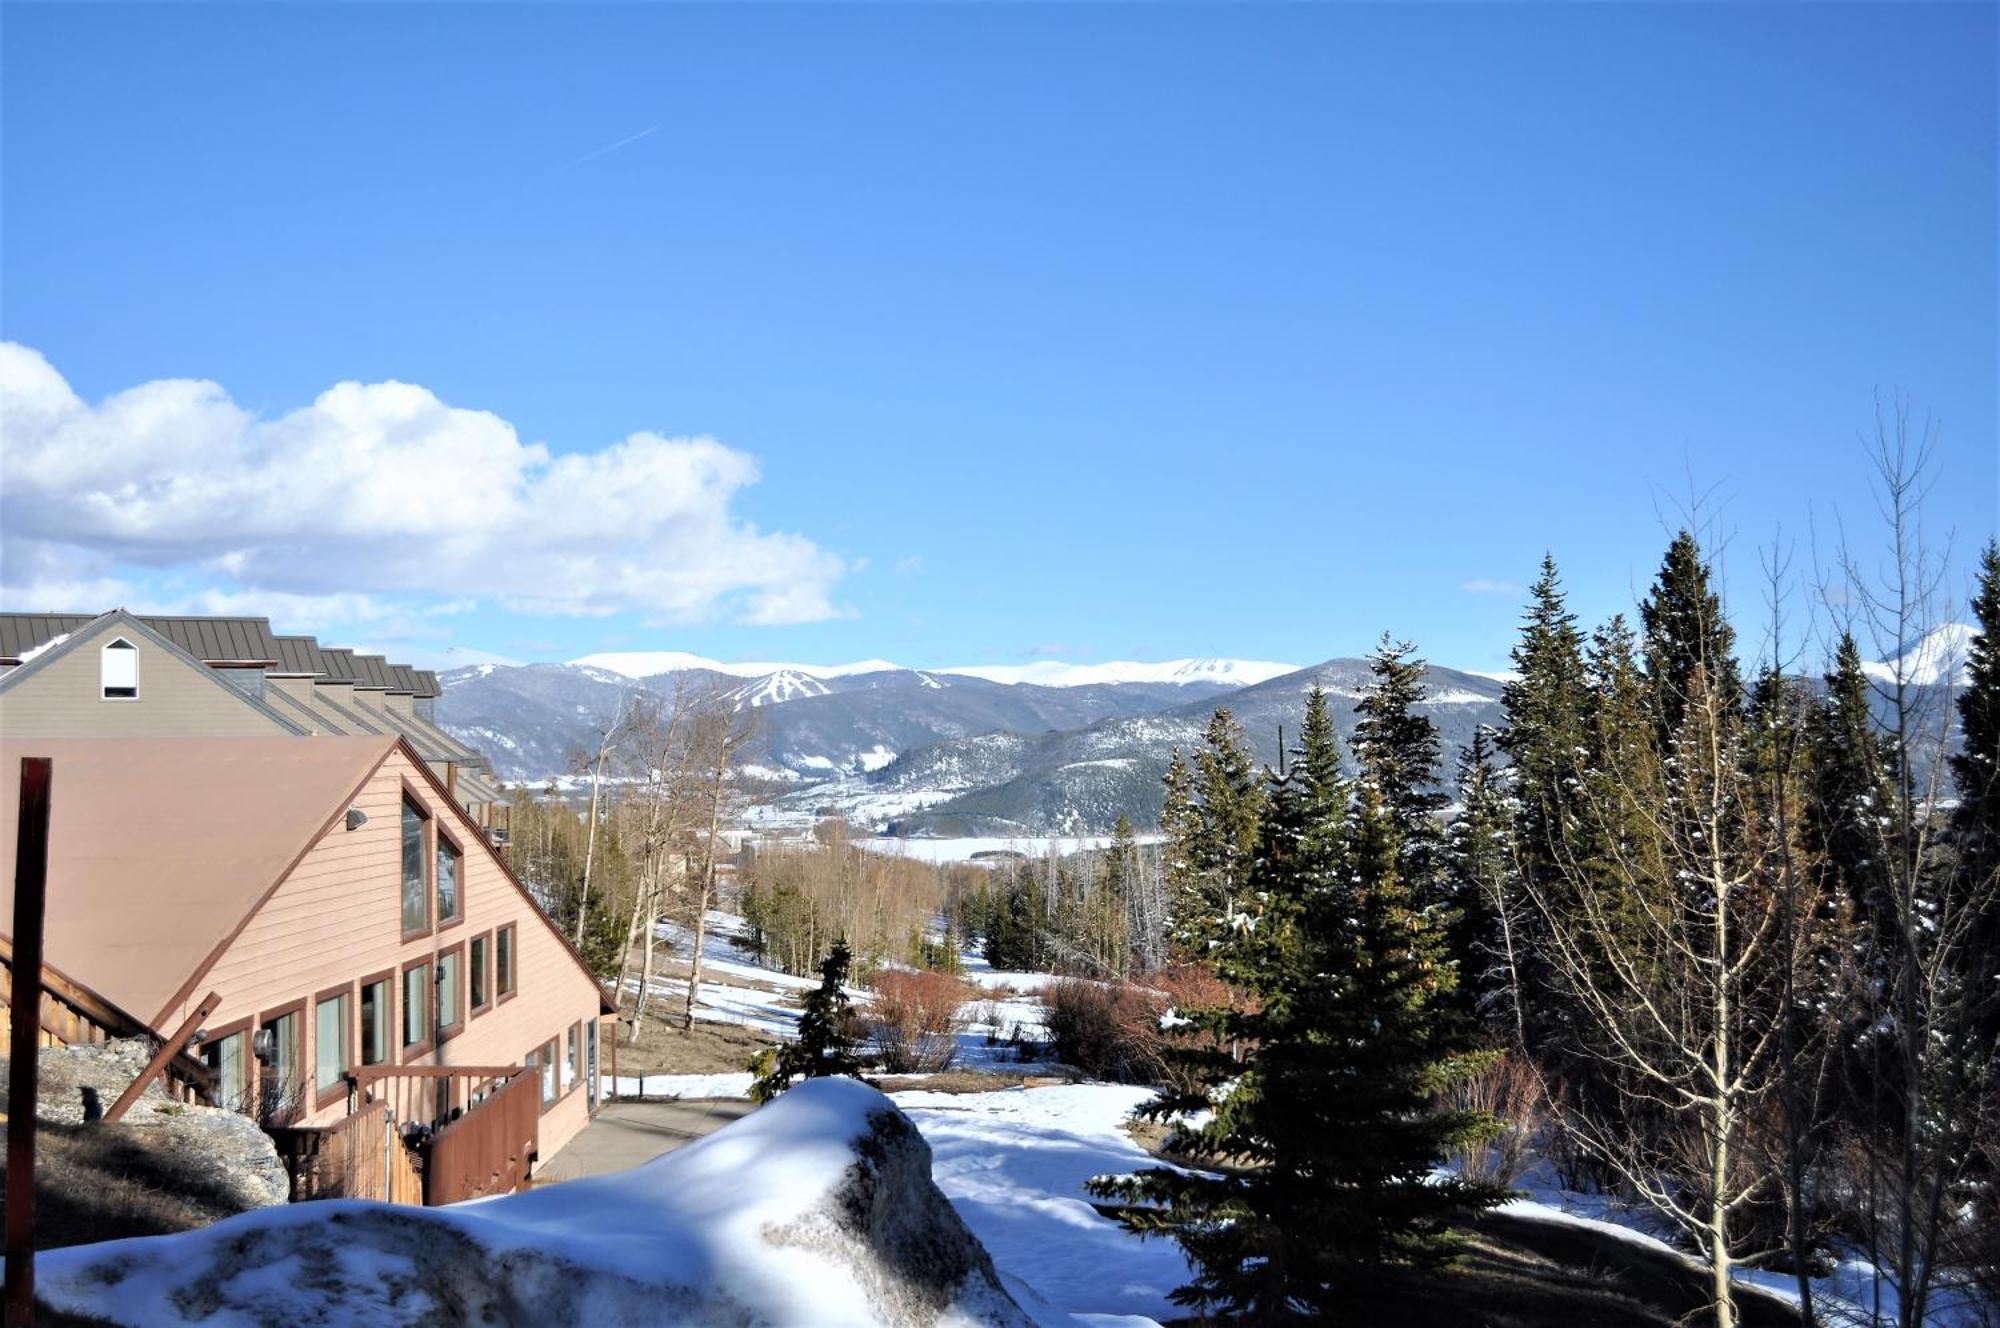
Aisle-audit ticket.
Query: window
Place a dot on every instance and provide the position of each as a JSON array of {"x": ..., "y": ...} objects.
[
  {"x": 481, "y": 990},
  {"x": 416, "y": 1006},
  {"x": 280, "y": 1047},
  {"x": 375, "y": 999},
  {"x": 503, "y": 961},
  {"x": 572, "y": 1058},
  {"x": 330, "y": 1038},
  {"x": 546, "y": 1057},
  {"x": 591, "y": 1084},
  {"x": 450, "y": 966},
  {"x": 118, "y": 670},
  {"x": 229, "y": 1056},
  {"x": 449, "y": 904},
  {"x": 416, "y": 889}
]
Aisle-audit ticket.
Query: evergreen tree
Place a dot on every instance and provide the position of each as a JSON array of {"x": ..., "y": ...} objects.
[
  {"x": 1975, "y": 823},
  {"x": 1548, "y": 715},
  {"x": 1329, "y": 1125},
  {"x": 1180, "y": 827},
  {"x": 1684, "y": 631},
  {"x": 1851, "y": 790},
  {"x": 1227, "y": 805},
  {"x": 823, "y": 1045},
  {"x": 1398, "y": 753},
  {"x": 1483, "y": 938}
]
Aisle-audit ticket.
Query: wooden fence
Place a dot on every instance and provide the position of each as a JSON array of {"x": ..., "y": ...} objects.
[
  {"x": 361, "y": 1157},
  {"x": 489, "y": 1149}
]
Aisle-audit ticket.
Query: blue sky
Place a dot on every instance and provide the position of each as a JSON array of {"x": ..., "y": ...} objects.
[{"x": 1119, "y": 332}]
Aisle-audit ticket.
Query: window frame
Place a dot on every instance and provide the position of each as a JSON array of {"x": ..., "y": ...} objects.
[
  {"x": 104, "y": 691},
  {"x": 301, "y": 1107},
  {"x": 572, "y": 1044},
  {"x": 501, "y": 995},
  {"x": 440, "y": 839},
  {"x": 478, "y": 970},
  {"x": 411, "y": 802},
  {"x": 323, "y": 1097},
  {"x": 391, "y": 984},
  {"x": 215, "y": 1038},
  {"x": 423, "y": 1046},
  {"x": 442, "y": 1032},
  {"x": 551, "y": 1072}
]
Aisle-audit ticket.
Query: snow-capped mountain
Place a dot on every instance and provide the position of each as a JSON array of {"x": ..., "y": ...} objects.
[
  {"x": 1939, "y": 657},
  {"x": 1053, "y": 673},
  {"x": 653, "y": 663}
]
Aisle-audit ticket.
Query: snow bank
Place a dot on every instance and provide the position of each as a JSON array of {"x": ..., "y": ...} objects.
[{"x": 816, "y": 1210}]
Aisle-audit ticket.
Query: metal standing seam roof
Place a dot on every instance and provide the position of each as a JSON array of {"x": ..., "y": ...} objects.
[
  {"x": 340, "y": 664},
  {"x": 300, "y": 654},
  {"x": 159, "y": 848},
  {"x": 373, "y": 671},
  {"x": 23, "y": 632},
  {"x": 430, "y": 685},
  {"x": 404, "y": 679},
  {"x": 210, "y": 640}
]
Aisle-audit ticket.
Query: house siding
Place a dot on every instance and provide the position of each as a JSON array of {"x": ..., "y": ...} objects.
[
  {"x": 335, "y": 918},
  {"x": 64, "y": 698}
]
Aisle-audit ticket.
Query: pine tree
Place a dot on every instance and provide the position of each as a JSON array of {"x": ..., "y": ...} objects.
[
  {"x": 1226, "y": 806},
  {"x": 823, "y": 1046},
  {"x": 1398, "y": 753},
  {"x": 1851, "y": 790},
  {"x": 1548, "y": 709},
  {"x": 1484, "y": 936},
  {"x": 1329, "y": 1127},
  {"x": 1975, "y": 823},
  {"x": 1685, "y": 630}
]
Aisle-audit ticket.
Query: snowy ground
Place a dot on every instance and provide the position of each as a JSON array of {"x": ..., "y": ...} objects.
[{"x": 1014, "y": 1163}]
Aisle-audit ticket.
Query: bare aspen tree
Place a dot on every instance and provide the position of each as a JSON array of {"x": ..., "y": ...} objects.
[
  {"x": 1930, "y": 1096},
  {"x": 717, "y": 735},
  {"x": 607, "y": 740}
]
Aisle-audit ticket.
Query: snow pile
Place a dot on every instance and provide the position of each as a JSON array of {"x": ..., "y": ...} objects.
[
  {"x": 660, "y": 1087},
  {"x": 817, "y": 1210}
]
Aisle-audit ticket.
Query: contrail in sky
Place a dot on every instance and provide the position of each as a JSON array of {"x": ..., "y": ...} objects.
[{"x": 613, "y": 147}]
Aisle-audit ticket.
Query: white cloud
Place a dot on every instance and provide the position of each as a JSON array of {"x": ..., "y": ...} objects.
[
  {"x": 1482, "y": 586},
  {"x": 376, "y": 501}
]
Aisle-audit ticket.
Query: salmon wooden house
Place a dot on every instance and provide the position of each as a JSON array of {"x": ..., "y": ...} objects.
[{"x": 344, "y": 953}]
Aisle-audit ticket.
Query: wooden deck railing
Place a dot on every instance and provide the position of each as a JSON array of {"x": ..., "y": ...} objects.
[
  {"x": 474, "y": 1127},
  {"x": 74, "y": 1015}
]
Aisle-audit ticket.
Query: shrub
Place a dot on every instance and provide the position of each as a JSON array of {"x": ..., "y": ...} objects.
[
  {"x": 1509, "y": 1090},
  {"x": 916, "y": 1018},
  {"x": 1130, "y": 1032}
]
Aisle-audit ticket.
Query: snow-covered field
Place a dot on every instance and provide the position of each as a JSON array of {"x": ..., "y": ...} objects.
[{"x": 1014, "y": 1163}]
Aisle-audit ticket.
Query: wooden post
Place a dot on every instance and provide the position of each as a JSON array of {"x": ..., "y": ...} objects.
[
  {"x": 169, "y": 1049},
  {"x": 31, "y": 875}
]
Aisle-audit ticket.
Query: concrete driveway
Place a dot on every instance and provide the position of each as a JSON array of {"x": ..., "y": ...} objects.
[{"x": 624, "y": 1134}]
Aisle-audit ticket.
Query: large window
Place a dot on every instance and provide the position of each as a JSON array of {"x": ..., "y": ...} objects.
[
  {"x": 572, "y": 1057},
  {"x": 450, "y": 905},
  {"x": 592, "y": 1085},
  {"x": 503, "y": 961},
  {"x": 229, "y": 1056},
  {"x": 416, "y": 1005},
  {"x": 118, "y": 670},
  {"x": 450, "y": 1000},
  {"x": 547, "y": 1059},
  {"x": 375, "y": 1002},
  {"x": 330, "y": 1049},
  {"x": 282, "y": 1082},
  {"x": 416, "y": 888}
]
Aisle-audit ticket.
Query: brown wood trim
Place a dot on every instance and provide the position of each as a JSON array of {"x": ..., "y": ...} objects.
[
  {"x": 440, "y": 837},
  {"x": 445, "y": 1032},
  {"x": 212, "y": 1036},
  {"x": 513, "y": 931},
  {"x": 410, "y": 1050},
  {"x": 387, "y": 975},
  {"x": 338, "y": 815},
  {"x": 472, "y": 969},
  {"x": 325, "y": 1097},
  {"x": 299, "y": 1007},
  {"x": 410, "y": 798}
]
